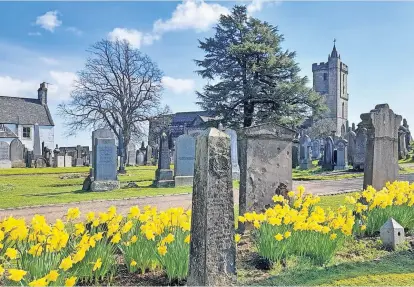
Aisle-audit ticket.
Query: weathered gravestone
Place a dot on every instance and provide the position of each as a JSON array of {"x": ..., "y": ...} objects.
[
  {"x": 402, "y": 147},
  {"x": 140, "y": 157},
  {"x": 60, "y": 161},
  {"x": 234, "y": 153},
  {"x": 184, "y": 162},
  {"x": 328, "y": 154},
  {"x": 316, "y": 149},
  {"x": 381, "y": 161},
  {"x": 212, "y": 246},
  {"x": 351, "y": 138},
  {"x": 5, "y": 155},
  {"x": 304, "y": 152},
  {"x": 353, "y": 127},
  {"x": 164, "y": 175},
  {"x": 68, "y": 161},
  {"x": 79, "y": 160},
  {"x": 37, "y": 146},
  {"x": 16, "y": 153},
  {"x": 265, "y": 165},
  {"x": 408, "y": 135},
  {"x": 142, "y": 148},
  {"x": 360, "y": 148},
  {"x": 102, "y": 134},
  {"x": 148, "y": 155},
  {"x": 295, "y": 153},
  {"x": 341, "y": 154},
  {"x": 105, "y": 173},
  {"x": 132, "y": 155}
]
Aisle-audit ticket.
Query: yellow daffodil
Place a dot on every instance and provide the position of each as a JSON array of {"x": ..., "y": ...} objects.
[
  {"x": 134, "y": 239},
  {"x": 133, "y": 263},
  {"x": 11, "y": 253},
  {"x": 162, "y": 250},
  {"x": 287, "y": 234},
  {"x": 73, "y": 213},
  {"x": 237, "y": 238},
  {"x": 39, "y": 282},
  {"x": 116, "y": 238},
  {"x": 16, "y": 274},
  {"x": 333, "y": 236},
  {"x": 52, "y": 276},
  {"x": 363, "y": 227},
  {"x": 1, "y": 270},
  {"x": 187, "y": 239},
  {"x": 70, "y": 281},
  {"x": 279, "y": 237},
  {"x": 66, "y": 263},
  {"x": 97, "y": 264}
]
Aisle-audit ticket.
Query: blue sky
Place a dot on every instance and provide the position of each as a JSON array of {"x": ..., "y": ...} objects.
[{"x": 46, "y": 41}]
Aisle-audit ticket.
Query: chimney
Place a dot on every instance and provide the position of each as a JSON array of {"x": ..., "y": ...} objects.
[{"x": 42, "y": 93}]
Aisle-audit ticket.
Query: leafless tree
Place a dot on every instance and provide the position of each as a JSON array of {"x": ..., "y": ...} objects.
[
  {"x": 321, "y": 128},
  {"x": 119, "y": 88}
]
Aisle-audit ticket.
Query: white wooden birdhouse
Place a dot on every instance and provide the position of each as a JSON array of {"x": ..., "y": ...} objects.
[{"x": 392, "y": 234}]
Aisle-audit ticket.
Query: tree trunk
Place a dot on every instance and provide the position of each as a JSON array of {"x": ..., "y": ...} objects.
[{"x": 248, "y": 114}]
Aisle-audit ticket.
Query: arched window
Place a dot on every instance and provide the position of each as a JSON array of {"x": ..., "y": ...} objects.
[{"x": 343, "y": 110}]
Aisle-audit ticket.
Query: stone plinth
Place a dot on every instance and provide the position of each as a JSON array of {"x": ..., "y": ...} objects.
[
  {"x": 104, "y": 185},
  {"x": 212, "y": 246}
]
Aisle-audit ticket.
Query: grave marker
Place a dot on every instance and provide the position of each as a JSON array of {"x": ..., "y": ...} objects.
[
  {"x": 184, "y": 162},
  {"x": 341, "y": 154},
  {"x": 5, "y": 155}
]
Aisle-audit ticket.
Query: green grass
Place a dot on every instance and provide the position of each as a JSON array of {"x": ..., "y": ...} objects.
[
  {"x": 318, "y": 173},
  {"x": 65, "y": 185}
]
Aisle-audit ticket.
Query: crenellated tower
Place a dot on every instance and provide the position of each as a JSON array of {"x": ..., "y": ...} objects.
[{"x": 330, "y": 79}]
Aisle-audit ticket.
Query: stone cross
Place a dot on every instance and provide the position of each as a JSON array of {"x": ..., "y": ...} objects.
[
  {"x": 265, "y": 165},
  {"x": 381, "y": 160},
  {"x": 212, "y": 246}
]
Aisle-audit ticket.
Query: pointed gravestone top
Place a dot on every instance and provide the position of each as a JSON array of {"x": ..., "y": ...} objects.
[
  {"x": 392, "y": 234},
  {"x": 391, "y": 224}
]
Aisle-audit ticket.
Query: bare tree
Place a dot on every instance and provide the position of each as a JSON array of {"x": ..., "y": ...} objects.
[
  {"x": 119, "y": 88},
  {"x": 321, "y": 128}
]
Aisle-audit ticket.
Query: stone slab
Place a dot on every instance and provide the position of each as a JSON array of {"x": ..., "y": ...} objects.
[
  {"x": 105, "y": 185},
  {"x": 183, "y": 180}
]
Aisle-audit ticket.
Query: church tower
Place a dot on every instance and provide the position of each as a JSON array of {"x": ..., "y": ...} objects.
[{"x": 330, "y": 80}]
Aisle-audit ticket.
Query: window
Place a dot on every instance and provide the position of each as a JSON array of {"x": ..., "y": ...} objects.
[
  {"x": 26, "y": 132},
  {"x": 325, "y": 76},
  {"x": 343, "y": 110}
]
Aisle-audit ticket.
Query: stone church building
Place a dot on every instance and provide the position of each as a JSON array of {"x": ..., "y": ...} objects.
[
  {"x": 18, "y": 117},
  {"x": 330, "y": 79}
]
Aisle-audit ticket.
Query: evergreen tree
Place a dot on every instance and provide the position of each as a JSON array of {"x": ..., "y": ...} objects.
[{"x": 253, "y": 80}]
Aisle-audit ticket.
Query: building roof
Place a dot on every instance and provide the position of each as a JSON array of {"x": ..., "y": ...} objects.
[
  {"x": 188, "y": 117},
  {"x": 24, "y": 111}
]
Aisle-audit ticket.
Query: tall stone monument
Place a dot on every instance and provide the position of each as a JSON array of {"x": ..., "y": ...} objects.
[
  {"x": 164, "y": 175},
  {"x": 37, "y": 145},
  {"x": 184, "y": 161},
  {"x": 328, "y": 155},
  {"x": 381, "y": 161},
  {"x": 212, "y": 246},
  {"x": 265, "y": 165}
]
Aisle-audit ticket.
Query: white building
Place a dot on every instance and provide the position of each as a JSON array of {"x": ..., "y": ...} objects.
[{"x": 19, "y": 115}]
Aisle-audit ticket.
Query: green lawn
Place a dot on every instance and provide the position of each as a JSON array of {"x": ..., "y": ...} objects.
[{"x": 39, "y": 186}]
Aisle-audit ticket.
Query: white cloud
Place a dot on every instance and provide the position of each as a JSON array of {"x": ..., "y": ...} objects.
[
  {"x": 134, "y": 37},
  {"x": 49, "y": 21},
  {"x": 49, "y": 61},
  {"x": 257, "y": 5},
  {"x": 191, "y": 14},
  {"x": 12, "y": 87},
  {"x": 75, "y": 31},
  {"x": 61, "y": 84},
  {"x": 178, "y": 86},
  {"x": 34, "y": 34}
]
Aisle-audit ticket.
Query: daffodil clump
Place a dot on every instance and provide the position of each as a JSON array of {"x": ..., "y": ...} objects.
[
  {"x": 70, "y": 252},
  {"x": 374, "y": 208},
  {"x": 297, "y": 226}
]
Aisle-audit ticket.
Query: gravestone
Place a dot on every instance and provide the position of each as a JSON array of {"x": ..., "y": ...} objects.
[
  {"x": 56, "y": 153},
  {"x": 295, "y": 153},
  {"x": 402, "y": 146},
  {"x": 234, "y": 153},
  {"x": 164, "y": 175},
  {"x": 132, "y": 155},
  {"x": 408, "y": 135},
  {"x": 304, "y": 152},
  {"x": 5, "y": 155},
  {"x": 392, "y": 234},
  {"x": 79, "y": 160},
  {"x": 351, "y": 138},
  {"x": 37, "y": 148},
  {"x": 184, "y": 162},
  {"x": 40, "y": 162},
  {"x": 16, "y": 153},
  {"x": 265, "y": 165},
  {"x": 121, "y": 153},
  {"x": 142, "y": 148},
  {"x": 316, "y": 149},
  {"x": 29, "y": 159},
  {"x": 360, "y": 148},
  {"x": 105, "y": 174},
  {"x": 353, "y": 127},
  {"x": 148, "y": 156},
  {"x": 140, "y": 158},
  {"x": 68, "y": 161},
  {"x": 341, "y": 154},
  {"x": 60, "y": 161},
  {"x": 102, "y": 134},
  {"x": 328, "y": 154},
  {"x": 212, "y": 245},
  {"x": 381, "y": 161}
]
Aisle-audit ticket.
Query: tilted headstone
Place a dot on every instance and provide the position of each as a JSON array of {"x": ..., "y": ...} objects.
[
  {"x": 184, "y": 162},
  {"x": 295, "y": 153},
  {"x": 381, "y": 161},
  {"x": 316, "y": 149},
  {"x": 328, "y": 155},
  {"x": 392, "y": 234},
  {"x": 140, "y": 158},
  {"x": 5, "y": 155},
  {"x": 212, "y": 246},
  {"x": 164, "y": 175},
  {"x": 265, "y": 165},
  {"x": 234, "y": 153},
  {"x": 360, "y": 148},
  {"x": 148, "y": 155},
  {"x": 37, "y": 146},
  {"x": 132, "y": 154},
  {"x": 304, "y": 152},
  {"x": 341, "y": 154},
  {"x": 105, "y": 173},
  {"x": 351, "y": 138},
  {"x": 17, "y": 153}
]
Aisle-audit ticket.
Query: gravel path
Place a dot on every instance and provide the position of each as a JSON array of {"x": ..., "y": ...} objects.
[{"x": 52, "y": 212}]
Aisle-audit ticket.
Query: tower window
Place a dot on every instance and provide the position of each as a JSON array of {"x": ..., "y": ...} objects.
[
  {"x": 343, "y": 110},
  {"x": 325, "y": 76}
]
